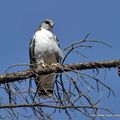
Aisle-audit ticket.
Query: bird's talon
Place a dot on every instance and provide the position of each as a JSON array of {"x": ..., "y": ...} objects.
[
  {"x": 43, "y": 65},
  {"x": 55, "y": 64}
]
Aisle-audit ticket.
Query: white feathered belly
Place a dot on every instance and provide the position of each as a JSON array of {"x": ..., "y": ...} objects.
[{"x": 46, "y": 50}]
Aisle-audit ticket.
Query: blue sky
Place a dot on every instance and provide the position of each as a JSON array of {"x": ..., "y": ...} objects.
[{"x": 73, "y": 20}]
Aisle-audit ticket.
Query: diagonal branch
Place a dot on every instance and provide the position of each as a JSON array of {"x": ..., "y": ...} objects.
[{"x": 48, "y": 69}]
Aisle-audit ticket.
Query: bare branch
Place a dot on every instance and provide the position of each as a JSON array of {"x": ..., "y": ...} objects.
[
  {"x": 48, "y": 69},
  {"x": 45, "y": 105}
]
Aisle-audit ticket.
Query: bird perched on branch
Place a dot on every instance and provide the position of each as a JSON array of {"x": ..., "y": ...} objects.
[{"x": 44, "y": 49}]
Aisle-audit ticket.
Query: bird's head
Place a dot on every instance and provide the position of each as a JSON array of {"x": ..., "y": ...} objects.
[{"x": 47, "y": 24}]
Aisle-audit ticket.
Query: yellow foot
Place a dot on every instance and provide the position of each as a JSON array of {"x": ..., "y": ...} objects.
[
  {"x": 43, "y": 64},
  {"x": 55, "y": 64}
]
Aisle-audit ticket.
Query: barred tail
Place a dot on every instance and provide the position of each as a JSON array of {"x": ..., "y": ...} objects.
[{"x": 44, "y": 85}]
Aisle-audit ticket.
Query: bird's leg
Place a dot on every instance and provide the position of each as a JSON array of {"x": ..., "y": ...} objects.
[
  {"x": 55, "y": 64},
  {"x": 43, "y": 64}
]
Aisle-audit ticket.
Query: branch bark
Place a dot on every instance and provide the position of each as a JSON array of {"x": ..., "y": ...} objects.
[
  {"x": 43, "y": 105},
  {"x": 25, "y": 74}
]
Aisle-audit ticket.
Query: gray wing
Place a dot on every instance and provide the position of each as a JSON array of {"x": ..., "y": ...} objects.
[
  {"x": 32, "y": 51},
  {"x": 57, "y": 40},
  {"x": 58, "y": 55}
]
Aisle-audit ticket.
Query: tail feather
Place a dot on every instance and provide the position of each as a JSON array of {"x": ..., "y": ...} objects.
[{"x": 44, "y": 85}]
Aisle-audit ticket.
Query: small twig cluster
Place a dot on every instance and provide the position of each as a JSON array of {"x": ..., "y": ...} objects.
[{"x": 72, "y": 88}]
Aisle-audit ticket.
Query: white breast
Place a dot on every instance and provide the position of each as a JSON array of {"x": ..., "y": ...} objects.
[{"x": 45, "y": 45}]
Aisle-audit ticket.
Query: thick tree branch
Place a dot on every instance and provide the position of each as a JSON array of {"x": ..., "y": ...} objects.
[
  {"x": 43, "y": 105},
  {"x": 21, "y": 75}
]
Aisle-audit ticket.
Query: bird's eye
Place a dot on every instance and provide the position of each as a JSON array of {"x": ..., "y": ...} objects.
[{"x": 47, "y": 22}]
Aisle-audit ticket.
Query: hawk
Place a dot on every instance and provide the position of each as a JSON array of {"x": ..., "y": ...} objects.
[{"x": 44, "y": 49}]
